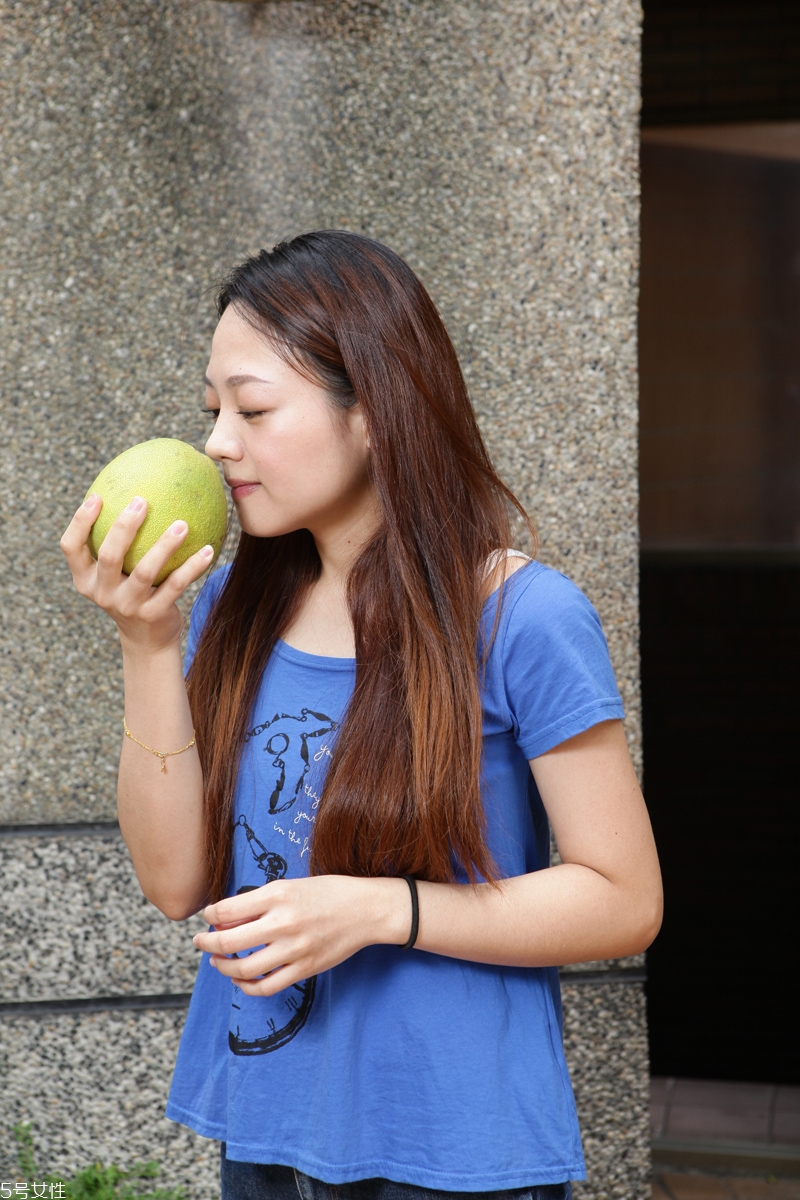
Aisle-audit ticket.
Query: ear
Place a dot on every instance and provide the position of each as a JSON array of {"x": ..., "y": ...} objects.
[{"x": 357, "y": 424}]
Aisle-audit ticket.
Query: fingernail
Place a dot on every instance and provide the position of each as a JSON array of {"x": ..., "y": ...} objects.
[
  {"x": 194, "y": 939},
  {"x": 136, "y": 505},
  {"x": 178, "y": 527},
  {"x": 89, "y": 501},
  {"x": 207, "y": 552}
]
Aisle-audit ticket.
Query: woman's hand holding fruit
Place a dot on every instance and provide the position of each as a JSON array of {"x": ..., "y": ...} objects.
[{"x": 147, "y": 617}]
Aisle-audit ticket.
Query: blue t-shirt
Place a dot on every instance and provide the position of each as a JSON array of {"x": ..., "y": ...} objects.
[{"x": 401, "y": 1064}]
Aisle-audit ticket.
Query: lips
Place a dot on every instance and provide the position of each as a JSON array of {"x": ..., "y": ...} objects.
[{"x": 241, "y": 487}]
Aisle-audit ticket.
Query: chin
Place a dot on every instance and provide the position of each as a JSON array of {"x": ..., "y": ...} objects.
[{"x": 264, "y": 529}]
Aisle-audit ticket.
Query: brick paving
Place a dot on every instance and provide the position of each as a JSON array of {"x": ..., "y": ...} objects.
[
  {"x": 702, "y": 1109},
  {"x": 719, "y": 1118}
]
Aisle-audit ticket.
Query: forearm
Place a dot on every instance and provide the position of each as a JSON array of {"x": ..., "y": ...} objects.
[
  {"x": 565, "y": 914},
  {"x": 161, "y": 812},
  {"x": 295, "y": 928},
  {"x": 602, "y": 901}
]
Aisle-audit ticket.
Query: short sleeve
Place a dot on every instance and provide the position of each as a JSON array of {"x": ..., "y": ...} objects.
[
  {"x": 557, "y": 678},
  {"x": 204, "y": 602}
]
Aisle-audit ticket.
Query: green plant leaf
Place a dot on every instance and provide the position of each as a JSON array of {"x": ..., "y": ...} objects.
[
  {"x": 25, "y": 1158},
  {"x": 95, "y": 1182}
]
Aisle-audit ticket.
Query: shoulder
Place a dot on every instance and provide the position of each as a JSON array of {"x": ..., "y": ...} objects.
[
  {"x": 549, "y": 666},
  {"x": 501, "y": 565},
  {"x": 543, "y": 601},
  {"x": 545, "y": 623}
]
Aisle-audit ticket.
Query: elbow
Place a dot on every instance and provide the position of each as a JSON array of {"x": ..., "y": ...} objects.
[
  {"x": 177, "y": 911},
  {"x": 647, "y": 918},
  {"x": 174, "y": 905},
  {"x": 178, "y": 898}
]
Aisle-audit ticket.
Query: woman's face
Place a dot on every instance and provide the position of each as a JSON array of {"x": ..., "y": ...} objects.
[{"x": 292, "y": 460}]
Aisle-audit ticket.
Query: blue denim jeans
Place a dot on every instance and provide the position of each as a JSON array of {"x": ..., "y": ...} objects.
[{"x": 259, "y": 1181}]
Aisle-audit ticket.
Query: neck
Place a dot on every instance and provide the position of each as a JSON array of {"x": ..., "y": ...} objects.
[
  {"x": 340, "y": 544},
  {"x": 322, "y": 625}
]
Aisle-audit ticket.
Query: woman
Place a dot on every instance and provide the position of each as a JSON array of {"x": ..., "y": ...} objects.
[{"x": 383, "y": 710}]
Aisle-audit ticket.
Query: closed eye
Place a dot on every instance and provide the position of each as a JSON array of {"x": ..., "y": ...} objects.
[{"x": 246, "y": 414}]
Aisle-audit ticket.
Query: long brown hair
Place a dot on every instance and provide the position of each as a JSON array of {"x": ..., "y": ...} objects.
[{"x": 402, "y": 793}]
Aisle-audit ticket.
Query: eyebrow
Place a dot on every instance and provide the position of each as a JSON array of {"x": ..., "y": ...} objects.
[{"x": 235, "y": 381}]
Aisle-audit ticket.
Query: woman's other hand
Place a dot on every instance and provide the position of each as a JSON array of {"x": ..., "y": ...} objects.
[
  {"x": 147, "y": 616},
  {"x": 297, "y": 928}
]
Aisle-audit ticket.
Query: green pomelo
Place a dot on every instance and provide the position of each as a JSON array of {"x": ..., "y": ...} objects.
[{"x": 178, "y": 483}]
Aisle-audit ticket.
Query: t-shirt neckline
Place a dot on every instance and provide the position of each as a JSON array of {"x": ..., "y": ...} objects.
[{"x": 305, "y": 657}]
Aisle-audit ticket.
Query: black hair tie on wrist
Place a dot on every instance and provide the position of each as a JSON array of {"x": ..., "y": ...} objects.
[{"x": 412, "y": 883}]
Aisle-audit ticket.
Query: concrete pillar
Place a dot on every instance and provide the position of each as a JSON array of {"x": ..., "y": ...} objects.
[{"x": 149, "y": 143}]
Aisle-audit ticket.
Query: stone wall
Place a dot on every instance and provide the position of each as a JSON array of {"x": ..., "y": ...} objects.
[{"x": 148, "y": 144}]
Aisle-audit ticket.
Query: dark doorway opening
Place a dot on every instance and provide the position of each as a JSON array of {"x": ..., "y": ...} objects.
[
  {"x": 720, "y": 598},
  {"x": 721, "y": 693}
]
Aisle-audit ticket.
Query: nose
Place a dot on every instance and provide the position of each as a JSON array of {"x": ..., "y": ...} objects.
[{"x": 223, "y": 442}]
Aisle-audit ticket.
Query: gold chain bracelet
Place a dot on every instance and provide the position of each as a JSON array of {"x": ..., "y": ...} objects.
[{"x": 162, "y": 754}]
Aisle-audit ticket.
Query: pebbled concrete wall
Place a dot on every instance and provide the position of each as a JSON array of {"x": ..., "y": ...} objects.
[{"x": 147, "y": 144}]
